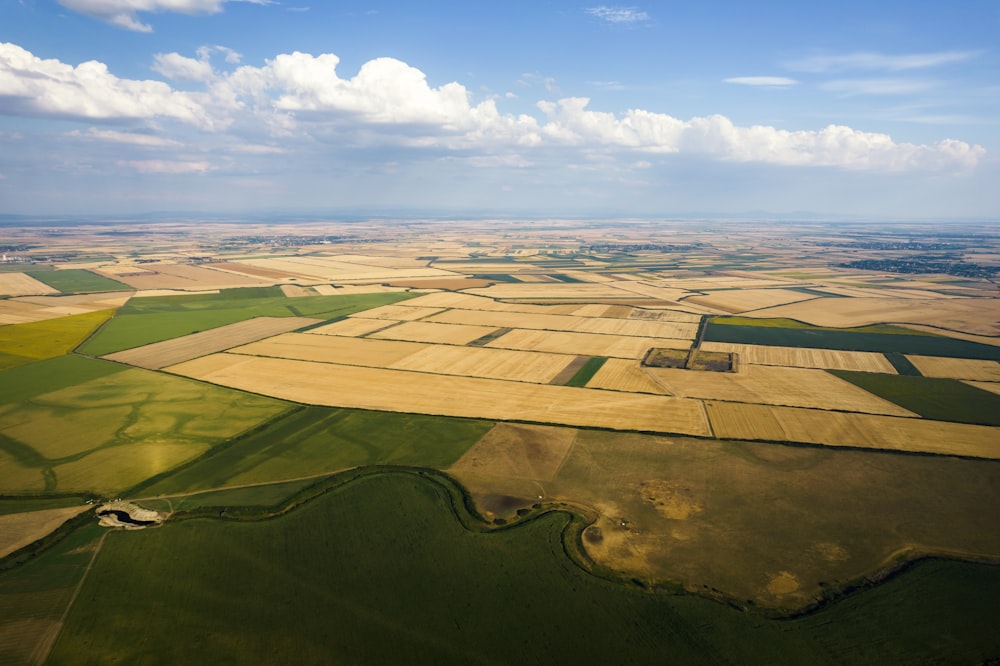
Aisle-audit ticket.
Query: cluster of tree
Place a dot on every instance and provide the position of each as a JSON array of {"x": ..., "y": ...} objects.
[{"x": 924, "y": 265}]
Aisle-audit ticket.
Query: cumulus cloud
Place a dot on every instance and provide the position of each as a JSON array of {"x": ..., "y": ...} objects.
[
  {"x": 132, "y": 138},
  {"x": 30, "y": 86},
  {"x": 618, "y": 15},
  {"x": 176, "y": 67},
  {"x": 765, "y": 81},
  {"x": 302, "y": 99},
  {"x": 123, "y": 13},
  {"x": 879, "y": 61}
]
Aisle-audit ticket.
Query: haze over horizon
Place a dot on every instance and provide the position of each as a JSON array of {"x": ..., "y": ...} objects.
[{"x": 883, "y": 109}]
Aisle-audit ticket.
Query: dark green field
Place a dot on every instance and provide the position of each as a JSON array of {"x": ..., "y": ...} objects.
[
  {"x": 931, "y": 397},
  {"x": 27, "y": 381},
  {"x": 380, "y": 571},
  {"x": 902, "y": 364},
  {"x": 146, "y": 320},
  {"x": 587, "y": 372},
  {"x": 317, "y": 440},
  {"x": 78, "y": 281},
  {"x": 789, "y": 333}
]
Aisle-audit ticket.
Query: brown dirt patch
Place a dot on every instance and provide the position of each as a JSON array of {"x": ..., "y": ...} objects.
[
  {"x": 520, "y": 451},
  {"x": 670, "y": 499}
]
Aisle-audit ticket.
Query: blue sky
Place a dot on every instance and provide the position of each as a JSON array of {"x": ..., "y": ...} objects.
[{"x": 874, "y": 109}]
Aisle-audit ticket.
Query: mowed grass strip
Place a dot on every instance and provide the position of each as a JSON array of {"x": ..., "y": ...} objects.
[
  {"x": 882, "y": 338},
  {"x": 324, "y": 584},
  {"x": 78, "y": 281},
  {"x": 146, "y": 320},
  {"x": 934, "y": 398},
  {"x": 587, "y": 371},
  {"x": 38, "y": 340}
]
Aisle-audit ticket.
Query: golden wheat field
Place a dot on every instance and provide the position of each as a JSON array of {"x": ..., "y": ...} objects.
[
  {"x": 353, "y": 326},
  {"x": 20, "y": 529},
  {"x": 403, "y": 391},
  {"x": 732, "y": 420},
  {"x": 957, "y": 368},
  {"x": 745, "y": 300},
  {"x": 20, "y": 284},
  {"x": 521, "y": 366},
  {"x": 423, "y": 331},
  {"x": 619, "y": 374},
  {"x": 800, "y": 357},
  {"x": 590, "y": 344}
]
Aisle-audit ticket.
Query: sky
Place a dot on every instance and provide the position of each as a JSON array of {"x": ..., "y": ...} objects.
[{"x": 874, "y": 110}]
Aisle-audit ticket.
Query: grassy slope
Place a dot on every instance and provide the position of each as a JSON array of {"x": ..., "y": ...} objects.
[
  {"x": 931, "y": 397},
  {"x": 380, "y": 570},
  {"x": 37, "y": 340},
  {"x": 146, "y": 320},
  {"x": 78, "y": 281}
]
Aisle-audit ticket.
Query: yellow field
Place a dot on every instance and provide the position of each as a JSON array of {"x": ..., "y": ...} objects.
[
  {"x": 27, "y": 309},
  {"x": 584, "y": 344},
  {"x": 17, "y": 530},
  {"x": 328, "y": 269},
  {"x": 169, "y": 352},
  {"x": 771, "y": 385},
  {"x": 971, "y": 315},
  {"x": 993, "y": 387},
  {"x": 20, "y": 284},
  {"x": 403, "y": 391},
  {"x": 798, "y": 357},
  {"x": 296, "y": 291},
  {"x": 352, "y": 326},
  {"x": 581, "y": 290},
  {"x": 398, "y": 312},
  {"x": 333, "y": 349},
  {"x": 793, "y": 424},
  {"x": 957, "y": 368},
  {"x": 985, "y": 339},
  {"x": 422, "y": 331},
  {"x": 183, "y": 277},
  {"x": 521, "y": 366},
  {"x": 618, "y": 374},
  {"x": 744, "y": 300},
  {"x": 558, "y": 322}
]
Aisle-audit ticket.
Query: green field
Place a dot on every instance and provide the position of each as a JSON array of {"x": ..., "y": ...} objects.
[
  {"x": 317, "y": 440},
  {"x": 38, "y": 340},
  {"x": 78, "y": 281},
  {"x": 380, "y": 570},
  {"x": 109, "y": 433},
  {"x": 587, "y": 371},
  {"x": 27, "y": 381},
  {"x": 902, "y": 364},
  {"x": 880, "y": 338},
  {"x": 145, "y": 320},
  {"x": 931, "y": 397}
]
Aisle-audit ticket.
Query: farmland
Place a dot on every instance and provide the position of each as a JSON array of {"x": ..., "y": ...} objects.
[
  {"x": 476, "y": 405},
  {"x": 78, "y": 281}
]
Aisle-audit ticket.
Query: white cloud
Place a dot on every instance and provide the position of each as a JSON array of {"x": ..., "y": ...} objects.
[
  {"x": 765, "y": 81},
  {"x": 618, "y": 15},
  {"x": 880, "y": 61},
  {"x": 855, "y": 87},
  {"x": 34, "y": 87},
  {"x": 132, "y": 138},
  {"x": 166, "y": 166},
  {"x": 176, "y": 67},
  {"x": 122, "y": 13}
]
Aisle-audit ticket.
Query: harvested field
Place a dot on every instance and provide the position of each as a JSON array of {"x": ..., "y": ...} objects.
[
  {"x": 402, "y": 391},
  {"x": 255, "y": 271},
  {"x": 518, "y": 451},
  {"x": 18, "y": 530},
  {"x": 770, "y": 385},
  {"x": 448, "y": 283},
  {"x": 793, "y": 424},
  {"x": 801, "y": 357},
  {"x": 296, "y": 291},
  {"x": 399, "y": 312},
  {"x": 333, "y": 349},
  {"x": 423, "y": 331},
  {"x": 618, "y": 374},
  {"x": 186, "y": 278},
  {"x": 521, "y": 366},
  {"x": 745, "y": 300},
  {"x": 589, "y": 344},
  {"x": 353, "y": 326},
  {"x": 992, "y": 387},
  {"x": 556, "y": 322},
  {"x": 354, "y": 289},
  {"x": 984, "y": 339},
  {"x": 327, "y": 269},
  {"x": 970, "y": 315},
  {"x": 19, "y": 284},
  {"x": 580, "y": 290},
  {"x": 957, "y": 368},
  {"x": 170, "y": 352}
]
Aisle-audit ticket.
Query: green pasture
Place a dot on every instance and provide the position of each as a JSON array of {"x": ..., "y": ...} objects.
[
  {"x": 902, "y": 364},
  {"x": 145, "y": 320},
  {"x": 317, "y": 440},
  {"x": 587, "y": 371},
  {"x": 380, "y": 570},
  {"x": 113, "y": 431},
  {"x": 9, "y": 505},
  {"x": 729, "y": 517},
  {"x": 878, "y": 338},
  {"x": 25, "y": 382},
  {"x": 78, "y": 281},
  {"x": 931, "y": 397},
  {"x": 38, "y": 340}
]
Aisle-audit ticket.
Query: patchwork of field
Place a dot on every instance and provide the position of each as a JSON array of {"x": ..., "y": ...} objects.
[
  {"x": 27, "y": 309},
  {"x": 957, "y": 368},
  {"x": 184, "y": 277},
  {"x": 35, "y": 341},
  {"x": 745, "y": 300},
  {"x": 20, "y": 284},
  {"x": 590, "y": 344},
  {"x": 555, "y": 322},
  {"x": 772, "y": 385},
  {"x": 169, "y": 352},
  {"x": 793, "y": 424},
  {"x": 422, "y": 331},
  {"x": 403, "y": 391},
  {"x": 802, "y": 357},
  {"x": 353, "y": 326},
  {"x": 332, "y": 269}
]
